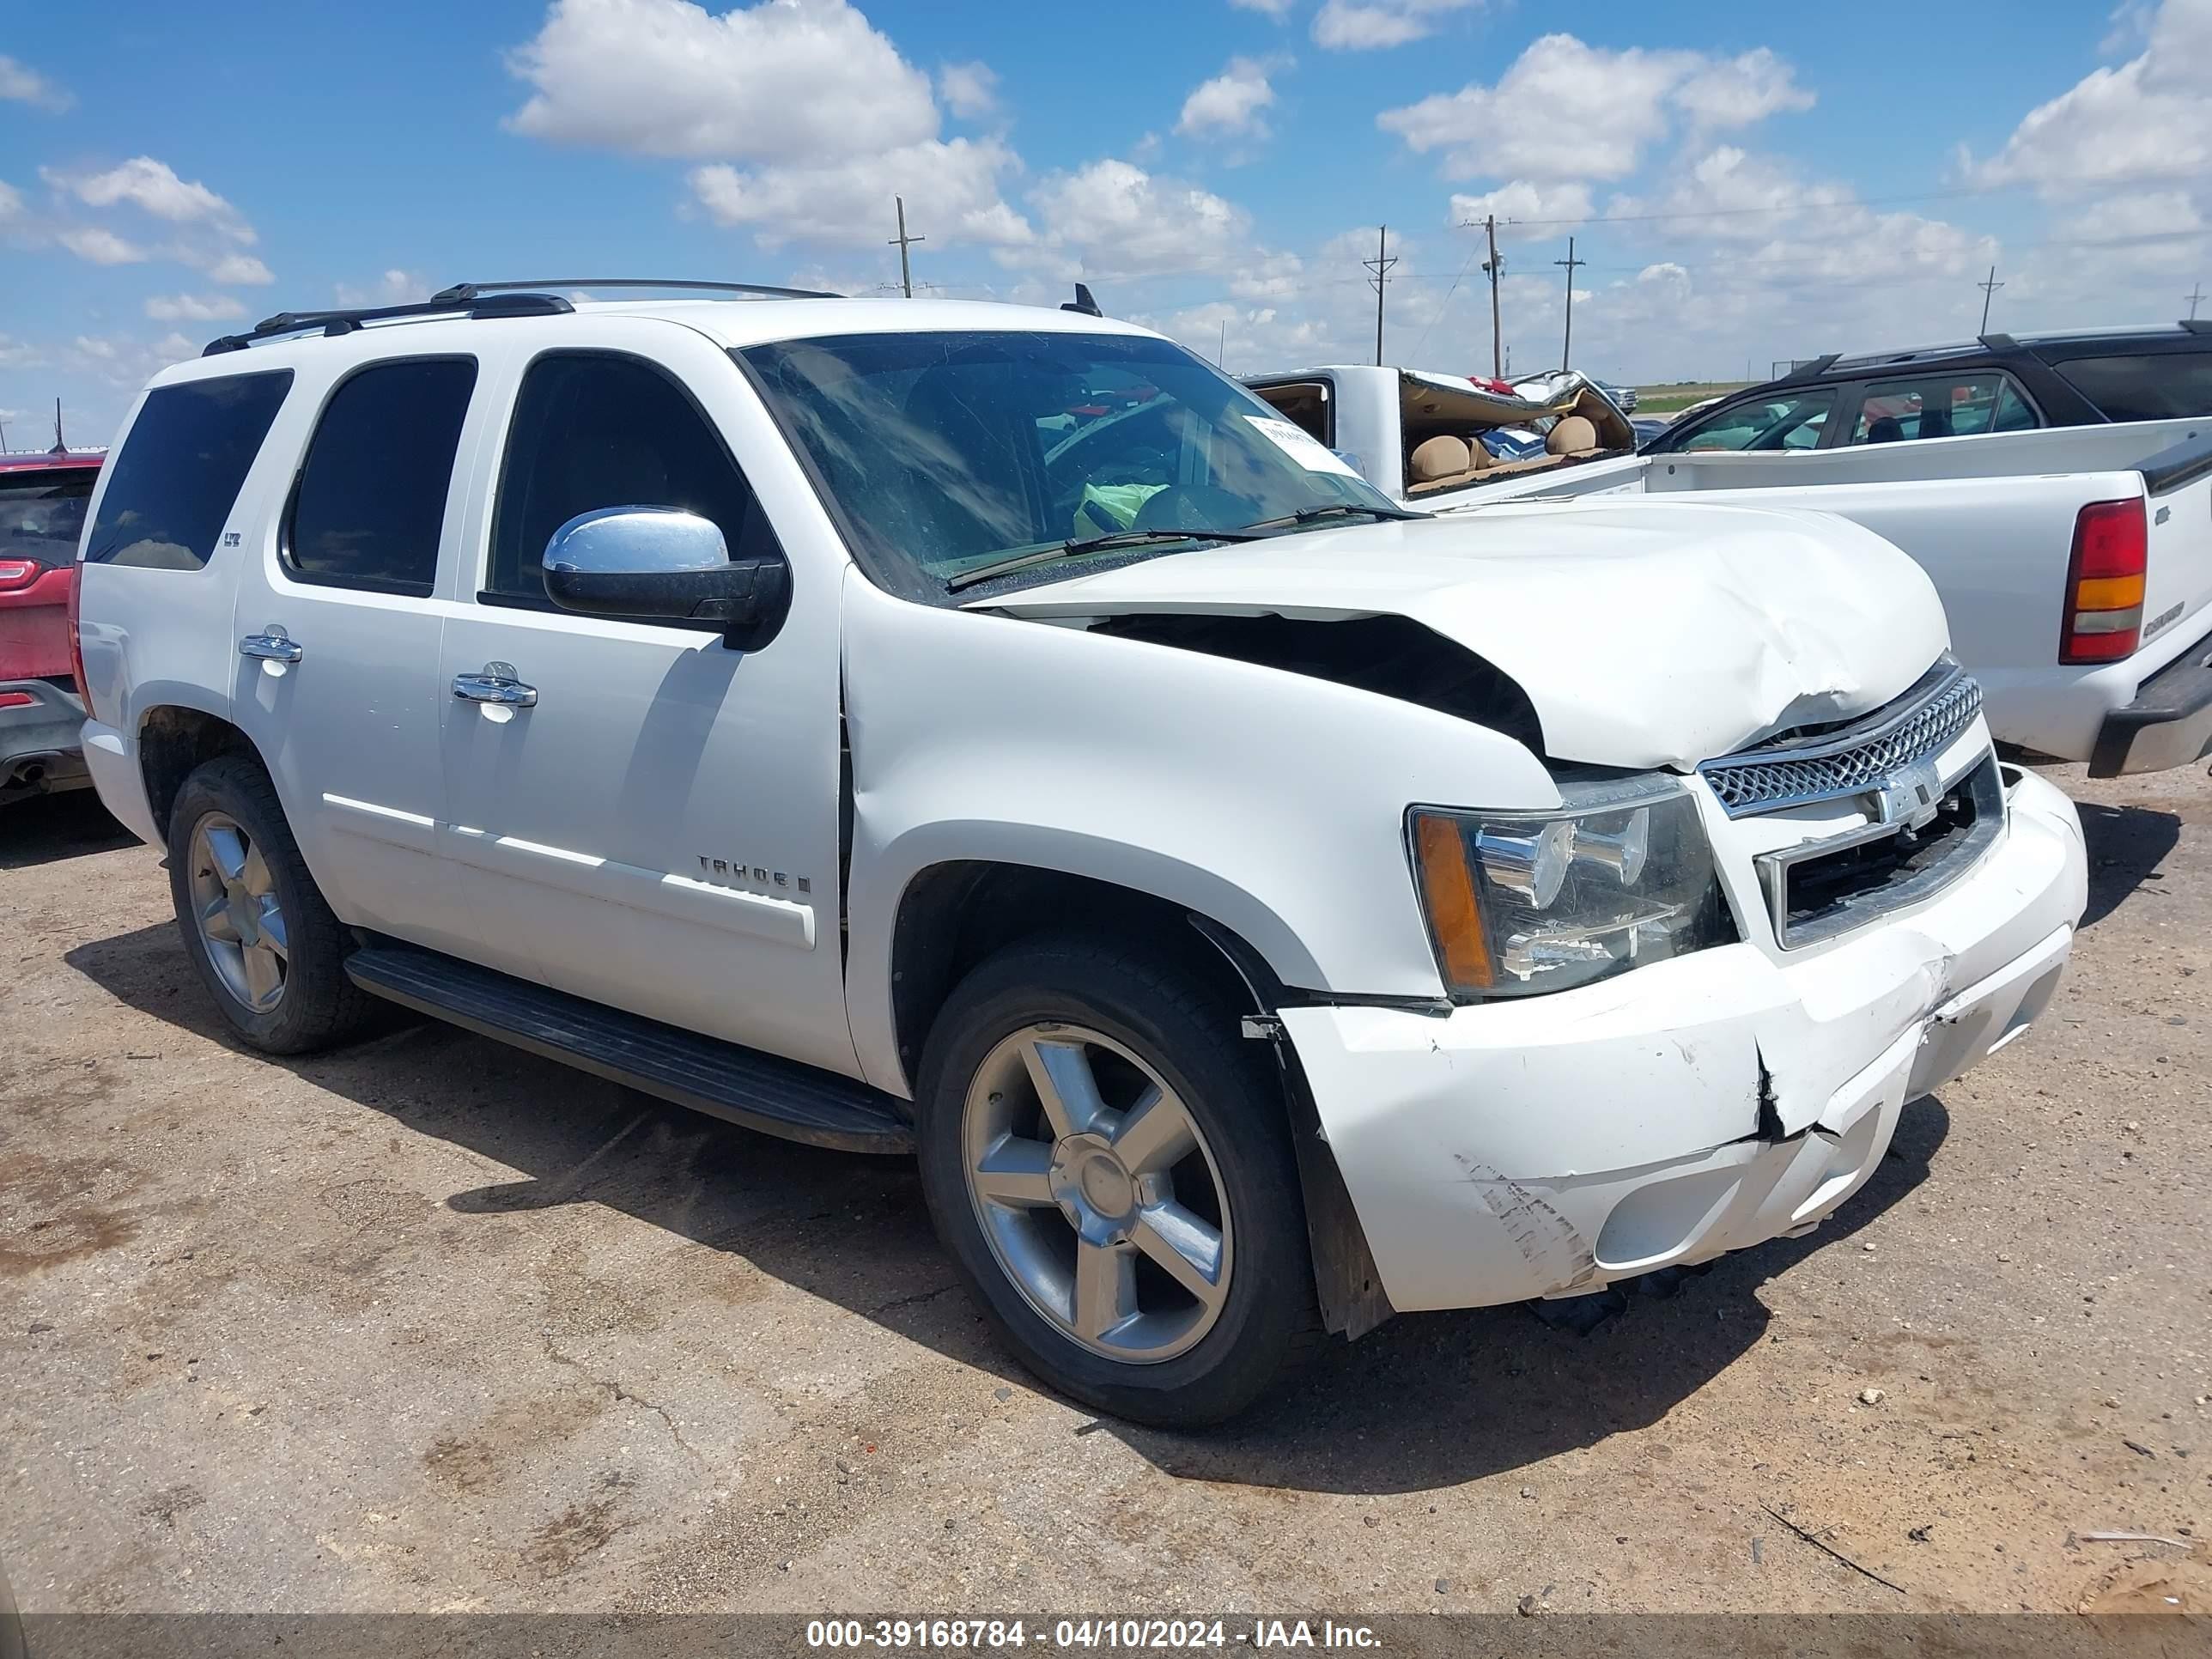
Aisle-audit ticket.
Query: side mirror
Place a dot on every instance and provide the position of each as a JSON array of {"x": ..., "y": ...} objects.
[{"x": 661, "y": 564}]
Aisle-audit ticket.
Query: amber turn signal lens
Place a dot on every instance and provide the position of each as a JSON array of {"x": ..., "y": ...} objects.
[{"x": 1447, "y": 885}]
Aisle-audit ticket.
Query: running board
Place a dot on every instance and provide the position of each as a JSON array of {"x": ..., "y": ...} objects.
[{"x": 759, "y": 1091}]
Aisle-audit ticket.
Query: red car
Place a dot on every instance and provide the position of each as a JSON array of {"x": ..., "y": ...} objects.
[{"x": 42, "y": 503}]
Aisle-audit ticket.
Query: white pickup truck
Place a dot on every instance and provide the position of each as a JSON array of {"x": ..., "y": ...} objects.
[
  {"x": 991, "y": 734},
  {"x": 2075, "y": 563}
]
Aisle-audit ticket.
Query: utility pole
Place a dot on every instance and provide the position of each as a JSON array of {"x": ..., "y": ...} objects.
[
  {"x": 1221, "y": 353},
  {"x": 1494, "y": 269},
  {"x": 1989, "y": 292},
  {"x": 1567, "y": 347},
  {"x": 2194, "y": 293},
  {"x": 900, "y": 242},
  {"x": 1380, "y": 264}
]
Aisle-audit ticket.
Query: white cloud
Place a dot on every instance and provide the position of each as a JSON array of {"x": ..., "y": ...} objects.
[
  {"x": 100, "y": 247},
  {"x": 1370, "y": 25},
  {"x": 239, "y": 270},
  {"x": 1567, "y": 110},
  {"x": 21, "y": 84},
  {"x": 1230, "y": 104},
  {"x": 970, "y": 91},
  {"x": 394, "y": 287},
  {"x": 11, "y": 202},
  {"x": 1268, "y": 276},
  {"x": 1542, "y": 208},
  {"x": 1742, "y": 91},
  {"x": 809, "y": 82},
  {"x": 1275, "y": 9},
  {"x": 193, "y": 307},
  {"x": 1112, "y": 218},
  {"x": 950, "y": 187},
  {"x": 154, "y": 187},
  {"x": 2150, "y": 118}
]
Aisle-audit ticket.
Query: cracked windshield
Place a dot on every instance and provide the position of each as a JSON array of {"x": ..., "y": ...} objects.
[{"x": 962, "y": 451}]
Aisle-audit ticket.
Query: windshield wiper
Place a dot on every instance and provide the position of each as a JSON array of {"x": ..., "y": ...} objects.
[
  {"x": 1106, "y": 543},
  {"x": 1334, "y": 510}
]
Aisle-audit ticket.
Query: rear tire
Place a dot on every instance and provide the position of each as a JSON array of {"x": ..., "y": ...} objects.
[
  {"x": 1154, "y": 1267},
  {"x": 258, "y": 931}
]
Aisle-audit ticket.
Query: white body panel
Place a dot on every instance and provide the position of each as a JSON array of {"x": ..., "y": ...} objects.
[
  {"x": 1989, "y": 517},
  {"x": 1645, "y": 635},
  {"x": 582, "y": 834},
  {"x": 563, "y": 842}
]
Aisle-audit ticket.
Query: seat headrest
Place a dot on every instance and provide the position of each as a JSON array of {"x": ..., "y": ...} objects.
[
  {"x": 1573, "y": 434},
  {"x": 1440, "y": 457}
]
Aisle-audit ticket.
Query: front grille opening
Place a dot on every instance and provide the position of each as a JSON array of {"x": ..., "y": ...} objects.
[{"x": 1817, "y": 895}]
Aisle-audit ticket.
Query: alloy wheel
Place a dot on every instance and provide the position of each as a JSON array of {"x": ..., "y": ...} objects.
[
  {"x": 235, "y": 907},
  {"x": 1097, "y": 1193}
]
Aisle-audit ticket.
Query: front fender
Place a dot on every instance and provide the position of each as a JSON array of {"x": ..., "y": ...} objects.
[{"x": 1269, "y": 801}]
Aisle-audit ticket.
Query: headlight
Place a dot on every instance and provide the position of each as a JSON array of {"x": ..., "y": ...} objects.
[{"x": 1522, "y": 903}]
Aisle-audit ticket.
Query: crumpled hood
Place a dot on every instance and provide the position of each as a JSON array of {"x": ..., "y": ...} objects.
[{"x": 1646, "y": 633}]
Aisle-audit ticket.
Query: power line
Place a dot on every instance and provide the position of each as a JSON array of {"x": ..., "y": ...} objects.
[
  {"x": 1380, "y": 264},
  {"x": 1989, "y": 292},
  {"x": 1567, "y": 346},
  {"x": 902, "y": 241},
  {"x": 1437, "y": 315}
]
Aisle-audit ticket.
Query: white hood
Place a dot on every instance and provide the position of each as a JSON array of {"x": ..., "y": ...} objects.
[{"x": 1646, "y": 634}]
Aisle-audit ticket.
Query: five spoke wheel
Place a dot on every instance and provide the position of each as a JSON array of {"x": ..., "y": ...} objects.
[
  {"x": 240, "y": 919},
  {"x": 1097, "y": 1193}
]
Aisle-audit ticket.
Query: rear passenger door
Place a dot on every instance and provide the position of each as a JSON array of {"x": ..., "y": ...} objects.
[
  {"x": 1964, "y": 404},
  {"x": 337, "y": 670},
  {"x": 653, "y": 822}
]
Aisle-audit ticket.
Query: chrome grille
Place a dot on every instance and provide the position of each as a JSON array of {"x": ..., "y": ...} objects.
[{"x": 1853, "y": 760}]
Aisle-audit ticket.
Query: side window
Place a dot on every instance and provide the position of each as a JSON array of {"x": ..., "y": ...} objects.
[
  {"x": 1928, "y": 406},
  {"x": 2160, "y": 385},
  {"x": 2013, "y": 414},
  {"x": 178, "y": 474},
  {"x": 595, "y": 429},
  {"x": 370, "y": 507},
  {"x": 1787, "y": 421}
]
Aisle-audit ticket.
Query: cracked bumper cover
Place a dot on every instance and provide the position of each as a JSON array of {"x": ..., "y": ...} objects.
[{"x": 1690, "y": 1108}]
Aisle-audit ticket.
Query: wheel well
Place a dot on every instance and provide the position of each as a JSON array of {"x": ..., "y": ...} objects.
[
  {"x": 172, "y": 743},
  {"x": 953, "y": 915}
]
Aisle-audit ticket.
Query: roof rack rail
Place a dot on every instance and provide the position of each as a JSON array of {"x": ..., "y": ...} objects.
[
  {"x": 460, "y": 291},
  {"x": 1999, "y": 342},
  {"x": 2197, "y": 324},
  {"x": 479, "y": 300},
  {"x": 346, "y": 321}
]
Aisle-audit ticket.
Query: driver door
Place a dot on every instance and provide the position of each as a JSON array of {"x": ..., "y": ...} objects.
[{"x": 649, "y": 817}]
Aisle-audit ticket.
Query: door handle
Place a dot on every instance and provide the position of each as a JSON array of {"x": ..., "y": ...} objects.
[
  {"x": 271, "y": 644},
  {"x": 496, "y": 685}
]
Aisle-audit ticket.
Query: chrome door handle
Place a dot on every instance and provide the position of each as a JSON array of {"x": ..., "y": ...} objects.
[
  {"x": 497, "y": 685},
  {"x": 271, "y": 644}
]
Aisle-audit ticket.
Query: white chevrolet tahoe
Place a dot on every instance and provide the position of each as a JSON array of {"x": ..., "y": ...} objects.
[{"x": 992, "y": 734}]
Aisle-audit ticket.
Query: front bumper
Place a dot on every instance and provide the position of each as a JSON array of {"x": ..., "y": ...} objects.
[
  {"x": 1547, "y": 1146},
  {"x": 2168, "y": 724},
  {"x": 39, "y": 752}
]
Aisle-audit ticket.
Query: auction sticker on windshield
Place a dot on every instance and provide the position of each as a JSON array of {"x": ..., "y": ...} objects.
[{"x": 1300, "y": 446}]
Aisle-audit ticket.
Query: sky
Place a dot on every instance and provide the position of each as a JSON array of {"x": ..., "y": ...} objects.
[{"x": 1745, "y": 184}]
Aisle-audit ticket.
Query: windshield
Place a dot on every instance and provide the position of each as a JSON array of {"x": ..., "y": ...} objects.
[
  {"x": 42, "y": 514},
  {"x": 946, "y": 453}
]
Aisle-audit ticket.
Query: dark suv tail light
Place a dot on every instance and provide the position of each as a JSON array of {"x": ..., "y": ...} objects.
[
  {"x": 2103, "y": 621},
  {"x": 77, "y": 641}
]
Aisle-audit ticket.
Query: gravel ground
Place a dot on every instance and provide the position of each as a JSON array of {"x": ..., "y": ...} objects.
[{"x": 430, "y": 1324}]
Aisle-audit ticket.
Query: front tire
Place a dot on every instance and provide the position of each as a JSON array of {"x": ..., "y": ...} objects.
[
  {"x": 258, "y": 931},
  {"x": 1109, "y": 1164}
]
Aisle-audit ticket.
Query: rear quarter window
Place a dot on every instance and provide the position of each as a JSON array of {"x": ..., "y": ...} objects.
[
  {"x": 178, "y": 473},
  {"x": 2160, "y": 385}
]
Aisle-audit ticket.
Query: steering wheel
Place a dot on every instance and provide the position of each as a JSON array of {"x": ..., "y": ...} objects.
[{"x": 1195, "y": 508}]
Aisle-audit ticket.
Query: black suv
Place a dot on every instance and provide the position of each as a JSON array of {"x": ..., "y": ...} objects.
[{"x": 1996, "y": 383}]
